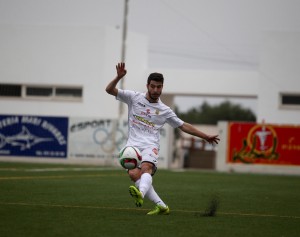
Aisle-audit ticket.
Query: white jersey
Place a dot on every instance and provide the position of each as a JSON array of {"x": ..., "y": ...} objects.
[{"x": 145, "y": 119}]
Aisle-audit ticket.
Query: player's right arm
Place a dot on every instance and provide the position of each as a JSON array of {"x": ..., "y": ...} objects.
[{"x": 121, "y": 72}]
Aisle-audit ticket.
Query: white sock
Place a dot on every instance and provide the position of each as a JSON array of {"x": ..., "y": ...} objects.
[
  {"x": 145, "y": 183},
  {"x": 153, "y": 196}
]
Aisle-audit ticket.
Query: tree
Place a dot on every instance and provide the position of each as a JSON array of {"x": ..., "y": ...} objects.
[{"x": 207, "y": 114}]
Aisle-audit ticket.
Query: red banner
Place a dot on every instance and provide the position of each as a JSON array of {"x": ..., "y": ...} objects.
[{"x": 263, "y": 144}]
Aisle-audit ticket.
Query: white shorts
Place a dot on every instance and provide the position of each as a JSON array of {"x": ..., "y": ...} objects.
[{"x": 150, "y": 155}]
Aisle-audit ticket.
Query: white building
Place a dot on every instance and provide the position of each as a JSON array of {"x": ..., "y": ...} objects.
[
  {"x": 85, "y": 57},
  {"x": 82, "y": 59}
]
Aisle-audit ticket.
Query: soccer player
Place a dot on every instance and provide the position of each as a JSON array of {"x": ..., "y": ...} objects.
[{"x": 146, "y": 116}]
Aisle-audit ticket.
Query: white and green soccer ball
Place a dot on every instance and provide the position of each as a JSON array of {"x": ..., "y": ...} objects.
[{"x": 130, "y": 157}]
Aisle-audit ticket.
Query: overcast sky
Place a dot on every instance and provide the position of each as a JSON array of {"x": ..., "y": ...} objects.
[
  {"x": 213, "y": 34},
  {"x": 192, "y": 34}
]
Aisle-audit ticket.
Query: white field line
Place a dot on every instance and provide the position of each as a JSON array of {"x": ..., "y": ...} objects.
[
  {"x": 60, "y": 169},
  {"x": 59, "y": 176},
  {"x": 141, "y": 209}
]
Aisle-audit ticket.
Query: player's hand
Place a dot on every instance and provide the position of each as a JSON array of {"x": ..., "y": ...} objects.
[
  {"x": 213, "y": 139},
  {"x": 121, "y": 71}
]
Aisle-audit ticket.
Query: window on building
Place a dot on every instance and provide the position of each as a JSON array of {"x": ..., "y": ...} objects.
[
  {"x": 68, "y": 92},
  {"x": 39, "y": 91},
  {"x": 49, "y": 92},
  {"x": 10, "y": 90},
  {"x": 290, "y": 100}
]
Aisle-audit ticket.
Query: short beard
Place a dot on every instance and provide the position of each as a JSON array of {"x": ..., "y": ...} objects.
[{"x": 154, "y": 99}]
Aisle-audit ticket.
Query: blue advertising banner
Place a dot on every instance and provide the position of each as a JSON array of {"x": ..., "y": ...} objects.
[{"x": 33, "y": 136}]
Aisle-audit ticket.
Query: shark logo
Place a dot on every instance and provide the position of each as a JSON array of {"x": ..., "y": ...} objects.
[{"x": 25, "y": 140}]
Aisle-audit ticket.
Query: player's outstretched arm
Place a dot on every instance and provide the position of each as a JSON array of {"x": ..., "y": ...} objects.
[
  {"x": 121, "y": 72},
  {"x": 190, "y": 129}
]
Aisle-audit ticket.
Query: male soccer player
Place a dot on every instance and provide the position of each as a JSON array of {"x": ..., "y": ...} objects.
[{"x": 146, "y": 116}]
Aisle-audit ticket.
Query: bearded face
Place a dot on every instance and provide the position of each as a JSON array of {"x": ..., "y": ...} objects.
[{"x": 154, "y": 90}]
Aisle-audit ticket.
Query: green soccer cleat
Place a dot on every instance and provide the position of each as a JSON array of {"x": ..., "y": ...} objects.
[
  {"x": 159, "y": 210},
  {"x": 137, "y": 195}
]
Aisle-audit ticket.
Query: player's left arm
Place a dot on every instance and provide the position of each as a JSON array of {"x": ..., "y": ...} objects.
[{"x": 190, "y": 129}]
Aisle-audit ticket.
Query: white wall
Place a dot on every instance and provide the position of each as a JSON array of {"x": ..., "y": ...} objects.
[
  {"x": 73, "y": 56},
  {"x": 210, "y": 83},
  {"x": 136, "y": 63},
  {"x": 279, "y": 72},
  {"x": 52, "y": 55},
  {"x": 86, "y": 56}
]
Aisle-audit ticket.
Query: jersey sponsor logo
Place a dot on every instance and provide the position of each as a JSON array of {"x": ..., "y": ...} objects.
[
  {"x": 143, "y": 128},
  {"x": 144, "y": 120},
  {"x": 147, "y": 113}
]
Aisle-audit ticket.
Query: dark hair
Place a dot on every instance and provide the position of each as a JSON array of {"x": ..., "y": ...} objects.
[{"x": 155, "y": 76}]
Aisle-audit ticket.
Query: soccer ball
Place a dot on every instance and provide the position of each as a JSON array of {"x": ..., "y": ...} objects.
[{"x": 130, "y": 157}]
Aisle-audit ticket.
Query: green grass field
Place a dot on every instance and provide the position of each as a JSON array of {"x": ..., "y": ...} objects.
[{"x": 60, "y": 200}]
